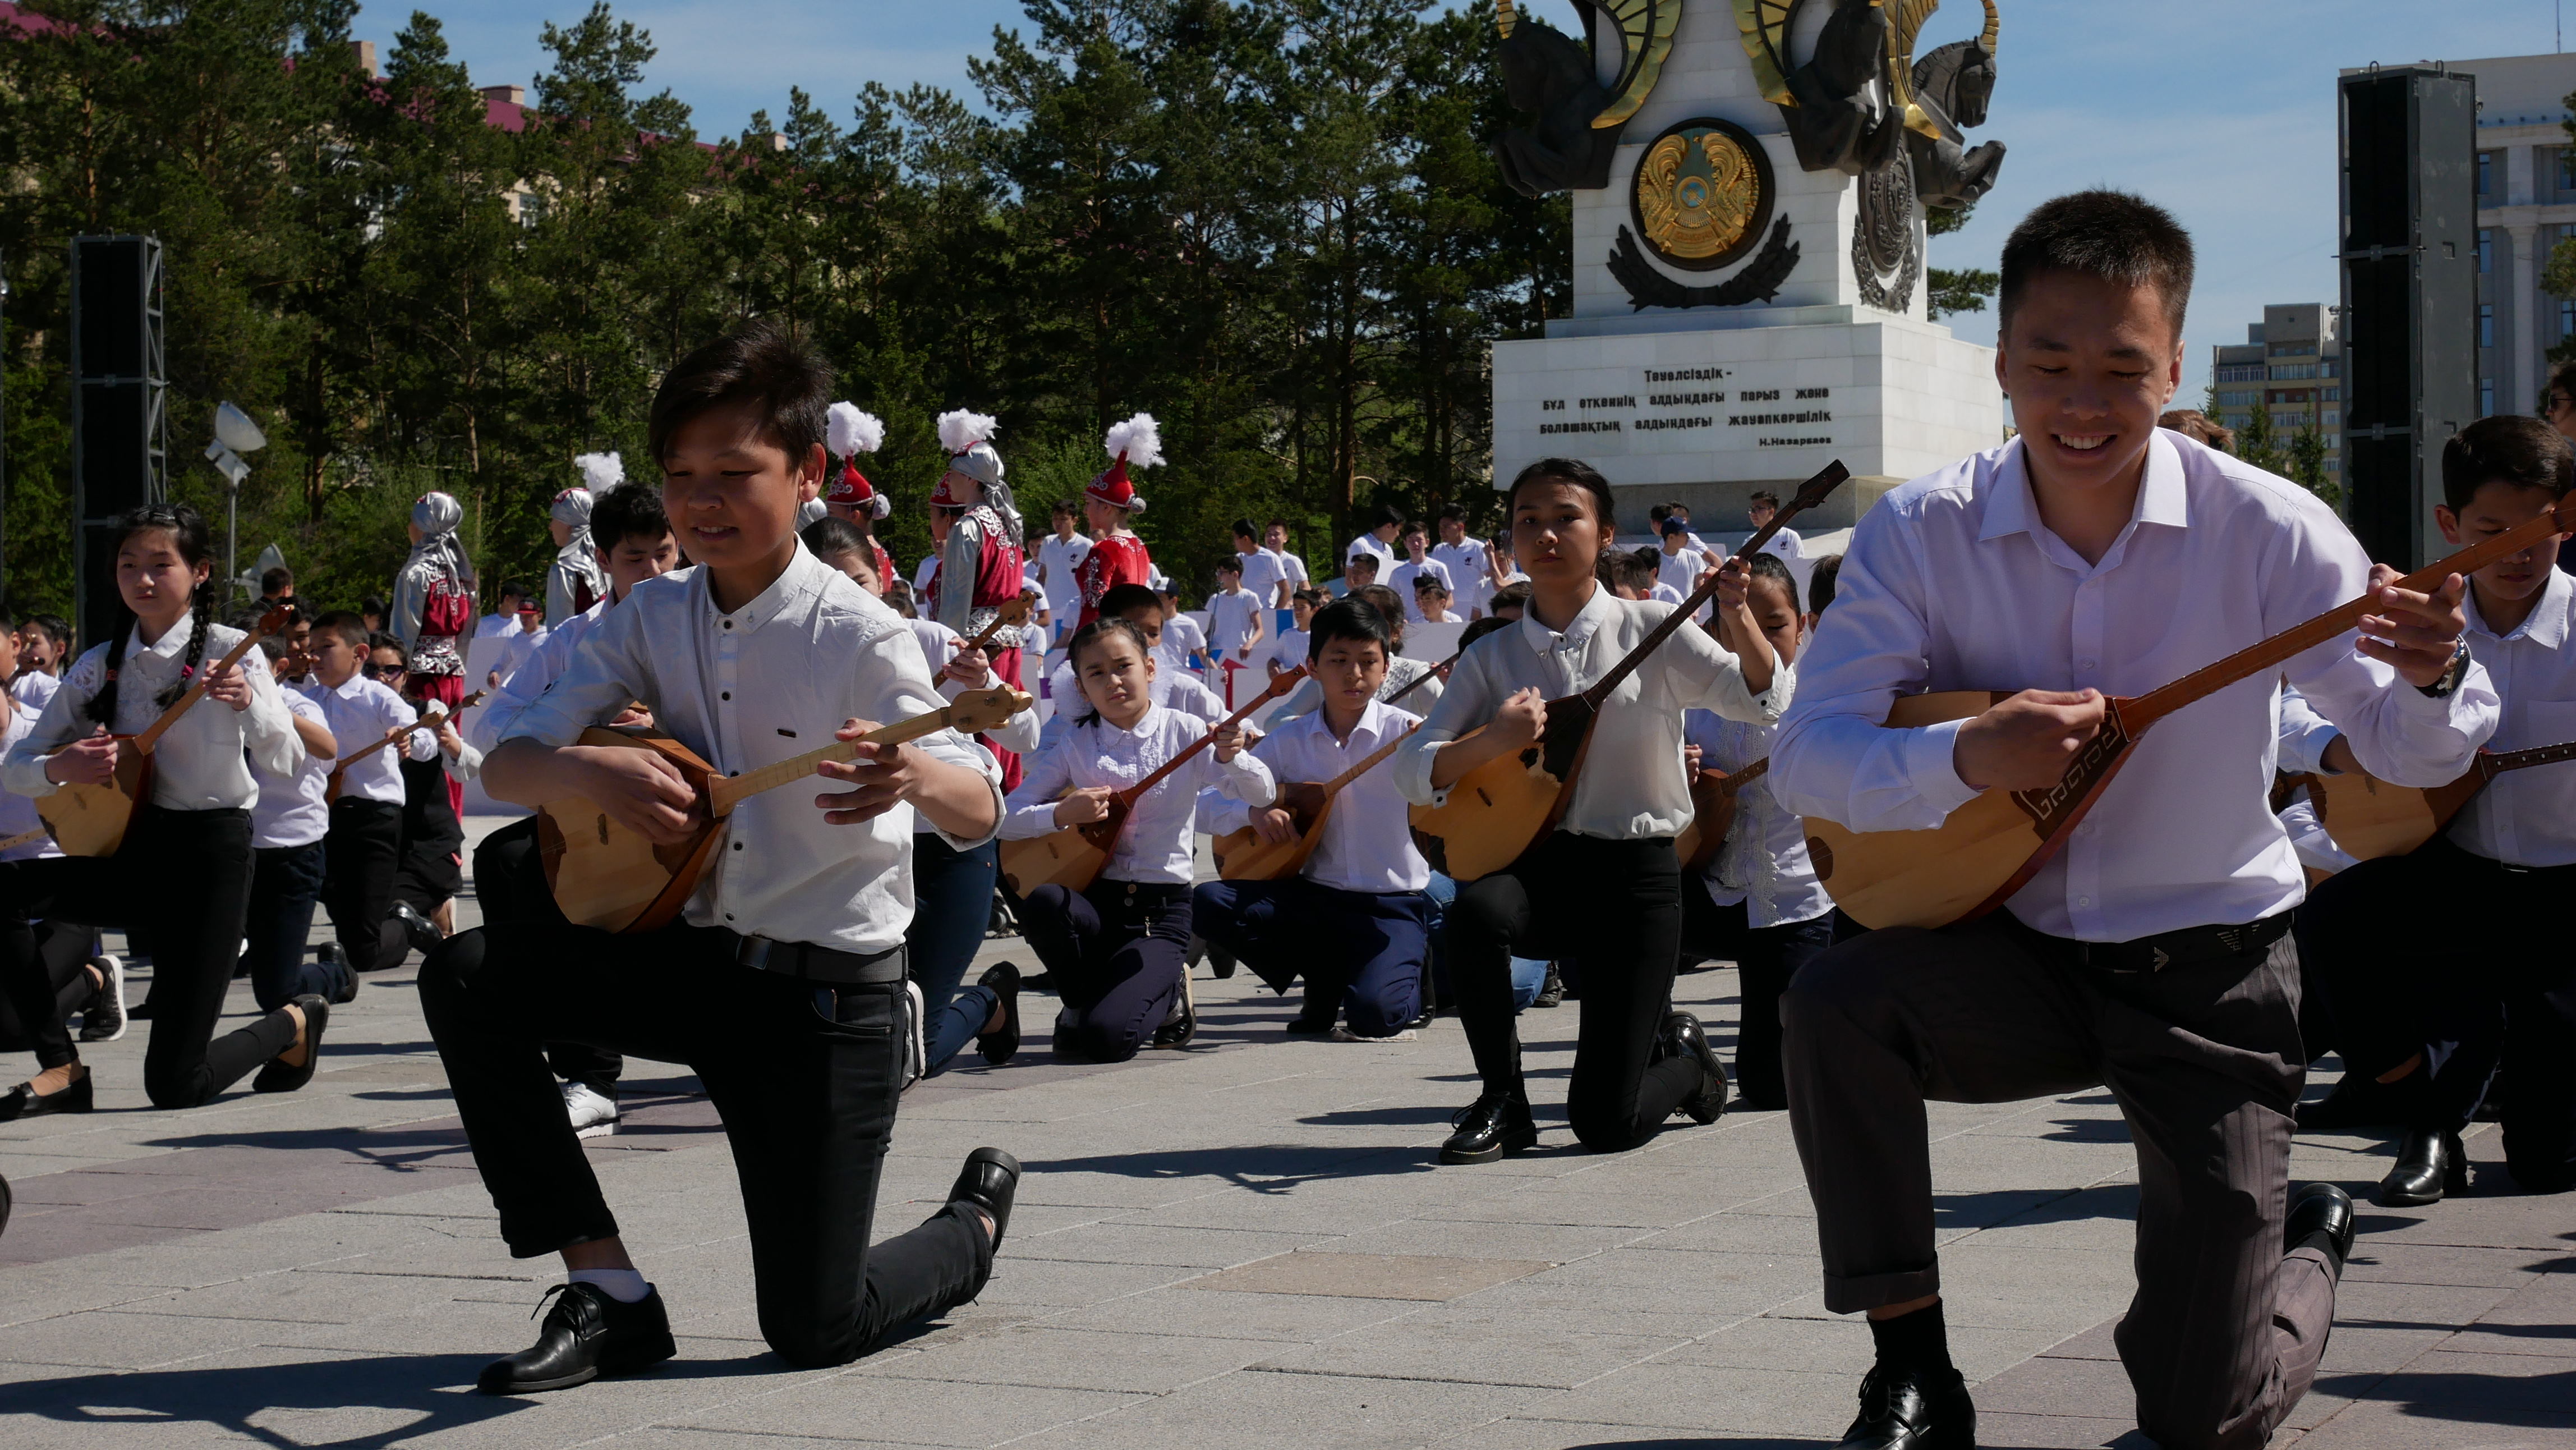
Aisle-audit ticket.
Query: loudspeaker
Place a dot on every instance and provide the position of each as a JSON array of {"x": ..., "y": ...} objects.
[
  {"x": 2410, "y": 299},
  {"x": 119, "y": 433}
]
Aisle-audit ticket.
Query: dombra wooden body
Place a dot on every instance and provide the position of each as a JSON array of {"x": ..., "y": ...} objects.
[
  {"x": 1713, "y": 795},
  {"x": 1498, "y": 812},
  {"x": 607, "y": 876},
  {"x": 90, "y": 820},
  {"x": 2368, "y": 818},
  {"x": 1244, "y": 856},
  {"x": 1074, "y": 856},
  {"x": 1994, "y": 844}
]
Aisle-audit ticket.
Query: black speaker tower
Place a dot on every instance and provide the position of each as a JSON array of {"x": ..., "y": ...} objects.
[
  {"x": 120, "y": 436},
  {"x": 2410, "y": 299}
]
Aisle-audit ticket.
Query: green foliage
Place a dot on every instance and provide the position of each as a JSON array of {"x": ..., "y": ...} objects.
[
  {"x": 1947, "y": 290},
  {"x": 1274, "y": 226}
]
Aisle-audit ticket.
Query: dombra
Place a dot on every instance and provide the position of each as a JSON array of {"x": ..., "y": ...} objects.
[
  {"x": 1498, "y": 811},
  {"x": 2368, "y": 818},
  {"x": 1073, "y": 857},
  {"x": 1244, "y": 856},
  {"x": 90, "y": 820},
  {"x": 1994, "y": 844},
  {"x": 1713, "y": 795},
  {"x": 436, "y": 717},
  {"x": 607, "y": 876}
]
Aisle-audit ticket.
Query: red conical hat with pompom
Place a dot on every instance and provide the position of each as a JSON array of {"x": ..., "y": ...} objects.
[{"x": 1136, "y": 443}]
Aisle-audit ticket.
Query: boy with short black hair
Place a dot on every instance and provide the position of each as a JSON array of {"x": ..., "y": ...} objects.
[
  {"x": 1763, "y": 507},
  {"x": 1469, "y": 561},
  {"x": 1359, "y": 571},
  {"x": 1362, "y": 888},
  {"x": 2094, "y": 556},
  {"x": 1431, "y": 601},
  {"x": 2425, "y": 1014},
  {"x": 1235, "y": 616},
  {"x": 1416, "y": 682},
  {"x": 1180, "y": 636},
  {"x": 363, "y": 845},
  {"x": 783, "y": 985},
  {"x": 1417, "y": 562},
  {"x": 1265, "y": 574},
  {"x": 1290, "y": 650}
]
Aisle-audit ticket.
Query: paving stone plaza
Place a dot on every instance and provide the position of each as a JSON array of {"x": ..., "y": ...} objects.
[{"x": 1242, "y": 1244}]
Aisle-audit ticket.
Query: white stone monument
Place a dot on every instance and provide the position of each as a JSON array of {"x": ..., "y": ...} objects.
[{"x": 1806, "y": 338}]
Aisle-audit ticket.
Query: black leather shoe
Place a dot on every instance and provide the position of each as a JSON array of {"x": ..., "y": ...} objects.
[
  {"x": 1303, "y": 1025},
  {"x": 2428, "y": 1166},
  {"x": 2320, "y": 1209},
  {"x": 1042, "y": 982},
  {"x": 989, "y": 1180},
  {"x": 1491, "y": 1126},
  {"x": 1001, "y": 1045},
  {"x": 1551, "y": 991},
  {"x": 586, "y": 1335},
  {"x": 277, "y": 1077},
  {"x": 1902, "y": 1410},
  {"x": 23, "y": 1101},
  {"x": 1182, "y": 1025},
  {"x": 1683, "y": 1038},
  {"x": 419, "y": 930}
]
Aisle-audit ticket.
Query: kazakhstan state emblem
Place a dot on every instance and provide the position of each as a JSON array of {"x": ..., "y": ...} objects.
[{"x": 1703, "y": 194}]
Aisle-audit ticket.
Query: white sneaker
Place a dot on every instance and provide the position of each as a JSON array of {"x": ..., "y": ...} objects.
[
  {"x": 593, "y": 1115},
  {"x": 104, "y": 1020},
  {"x": 916, "y": 1044}
]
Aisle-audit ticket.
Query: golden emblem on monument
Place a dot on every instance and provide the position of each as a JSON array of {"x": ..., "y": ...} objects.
[{"x": 1703, "y": 194}]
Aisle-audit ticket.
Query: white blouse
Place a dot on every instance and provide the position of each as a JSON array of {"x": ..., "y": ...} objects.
[
  {"x": 200, "y": 764},
  {"x": 1155, "y": 846}
]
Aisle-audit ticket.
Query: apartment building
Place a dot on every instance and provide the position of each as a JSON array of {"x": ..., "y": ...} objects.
[{"x": 2292, "y": 363}]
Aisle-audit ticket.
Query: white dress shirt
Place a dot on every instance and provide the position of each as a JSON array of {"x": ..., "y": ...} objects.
[
  {"x": 940, "y": 644},
  {"x": 1953, "y": 583},
  {"x": 291, "y": 810},
  {"x": 199, "y": 764},
  {"x": 2527, "y": 817},
  {"x": 921, "y": 573},
  {"x": 1631, "y": 786},
  {"x": 1230, "y": 615},
  {"x": 536, "y": 669},
  {"x": 520, "y": 647},
  {"x": 2304, "y": 735},
  {"x": 492, "y": 624},
  {"x": 1469, "y": 584},
  {"x": 1401, "y": 672},
  {"x": 17, "y": 812},
  {"x": 1407, "y": 572},
  {"x": 1057, "y": 561},
  {"x": 767, "y": 682},
  {"x": 33, "y": 689},
  {"x": 360, "y": 711},
  {"x": 1155, "y": 845},
  {"x": 1263, "y": 572},
  {"x": 1367, "y": 845},
  {"x": 1763, "y": 861}
]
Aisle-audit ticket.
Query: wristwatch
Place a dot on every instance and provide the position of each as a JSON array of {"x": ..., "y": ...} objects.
[{"x": 2441, "y": 689}]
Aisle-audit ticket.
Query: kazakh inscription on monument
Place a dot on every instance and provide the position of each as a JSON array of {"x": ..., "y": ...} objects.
[{"x": 1703, "y": 194}]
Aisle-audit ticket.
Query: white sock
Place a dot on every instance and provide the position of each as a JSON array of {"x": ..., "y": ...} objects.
[{"x": 626, "y": 1286}]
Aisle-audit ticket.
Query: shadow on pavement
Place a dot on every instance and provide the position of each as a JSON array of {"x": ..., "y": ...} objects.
[
  {"x": 377, "y": 1401},
  {"x": 1263, "y": 1168}
]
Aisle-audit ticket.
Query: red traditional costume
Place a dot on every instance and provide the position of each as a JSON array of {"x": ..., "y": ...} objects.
[
  {"x": 1119, "y": 557},
  {"x": 850, "y": 495},
  {"x": 979, "y": 566}
]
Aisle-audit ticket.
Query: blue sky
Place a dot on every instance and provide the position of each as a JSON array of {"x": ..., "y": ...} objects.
[{"x": 2222, "y": 111}]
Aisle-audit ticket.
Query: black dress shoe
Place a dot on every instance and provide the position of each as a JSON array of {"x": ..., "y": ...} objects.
[
  {"x": 989, "y": 1181},
  {"x": 1182, "y": 1025},
  {"x": 1683, "y": 1038},
  {"x": 1001, "y": 1044},
  {"x": 23, "y": 1101},
  {"x": 1906, "y": 1410},
  {"x": 586, "y": 1335},
  {"x": 2320, "y": 1210},
  {"x": 1551, "y": 991},
  {"x": 1042, "y": 982},
  {"x": 2428, "y": 1166},
  {"x": 1491, "y": 1126},
  {"x": 419, "y": 930},
  {"x": 277, "y": 1077}
]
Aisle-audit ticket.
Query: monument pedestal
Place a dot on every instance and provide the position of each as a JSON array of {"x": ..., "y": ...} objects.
[{"x": 1810, "y": 342}]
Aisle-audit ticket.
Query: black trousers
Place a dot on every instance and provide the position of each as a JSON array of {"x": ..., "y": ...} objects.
[
  {"x": 510, "y": 886},
  {"x": 360, "y": 852},
  {"x": 1613, "y": 911},
  {"x": 806, "y": 1079},
  {"x": 2487, "y": 985},
  {"x": 64, "y": 948},
  {"x": 1765, "y": 958},
  {"x": 186, "y": 874},
  {"x": 285, "y": 883},
  {"x": 1118, "y": 952}
]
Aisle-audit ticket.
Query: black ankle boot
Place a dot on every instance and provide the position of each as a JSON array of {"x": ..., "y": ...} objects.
[
  {"x": 2428, "y": 1166},
  {"x": 1491, "y": 1126},
  {"x": 1906, "y": 1408},
  {"x": 989, "y": 1181},
  {"x": 587, "y": 1334}
]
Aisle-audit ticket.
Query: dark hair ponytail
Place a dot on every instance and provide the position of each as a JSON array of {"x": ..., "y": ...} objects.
[
  {"x": 187, "y": 530},
  {"x": 1091, "y": 634}
]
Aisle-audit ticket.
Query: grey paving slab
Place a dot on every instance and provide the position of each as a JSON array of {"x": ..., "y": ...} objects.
[{"x": 1371, "y": 1276}]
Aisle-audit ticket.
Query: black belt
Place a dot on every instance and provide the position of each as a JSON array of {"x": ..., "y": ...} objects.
[
  {"x": 809, "y": 963},
  {"x": 2187, "y": 947}
]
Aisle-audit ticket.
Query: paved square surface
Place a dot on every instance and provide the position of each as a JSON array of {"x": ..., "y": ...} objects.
[{"x": 1244, "y": 1244}]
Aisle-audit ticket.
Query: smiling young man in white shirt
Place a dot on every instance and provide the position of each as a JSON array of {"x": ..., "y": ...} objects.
[
  {"x": 2095, "y": 555},
  {"x": 782, "y": 985}
]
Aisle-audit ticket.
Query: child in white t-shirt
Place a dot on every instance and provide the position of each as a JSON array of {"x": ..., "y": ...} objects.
[
  {"x": 1234, "y": 615},
  {"x": 1431, "y": 601}
]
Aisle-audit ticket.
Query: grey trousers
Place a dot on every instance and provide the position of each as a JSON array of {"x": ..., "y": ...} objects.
[{"x": 2224, "y": 1334}]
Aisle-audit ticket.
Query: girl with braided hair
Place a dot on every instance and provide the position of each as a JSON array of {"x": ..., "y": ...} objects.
[{"x": 185, "y": 864}]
